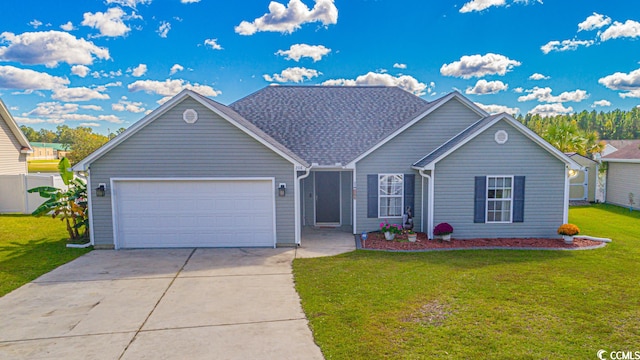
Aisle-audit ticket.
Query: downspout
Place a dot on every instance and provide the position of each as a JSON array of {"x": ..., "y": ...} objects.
[
  {"x": 297, "y": 205},
  {"x": 429, "y": 204},
  {"x": 567, "y": 183}
]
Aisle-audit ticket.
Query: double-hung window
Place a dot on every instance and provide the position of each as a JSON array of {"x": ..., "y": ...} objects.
[
  {"x": 499, "y": 199},
  {"x": 390, "y": 195}
]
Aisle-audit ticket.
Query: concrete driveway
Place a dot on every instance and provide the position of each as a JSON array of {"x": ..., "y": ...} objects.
[{"x": 160, "y": 304}]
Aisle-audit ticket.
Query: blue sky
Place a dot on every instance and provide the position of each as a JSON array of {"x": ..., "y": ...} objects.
[{"x": 107, "y": 63}]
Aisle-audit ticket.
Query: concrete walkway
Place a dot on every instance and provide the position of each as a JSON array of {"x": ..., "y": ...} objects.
[{"x": 165, "y": 304}]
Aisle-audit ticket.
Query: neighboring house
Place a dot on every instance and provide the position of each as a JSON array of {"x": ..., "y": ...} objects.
[
  {"x": 623, "y": 173},
  {"x": 14, "y": 146},
  {"x": 584, "y": 182},
  {"x": 48, "y": 151},
  {"x": 255, "y": 172}
]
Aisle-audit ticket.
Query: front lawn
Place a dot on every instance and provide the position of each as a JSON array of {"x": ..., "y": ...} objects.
[
  {"x": 30, "y": 247},
  {"x": 484, "y": 304}
]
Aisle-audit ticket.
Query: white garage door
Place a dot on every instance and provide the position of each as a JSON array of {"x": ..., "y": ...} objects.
[{"x": 194, "y": 213}]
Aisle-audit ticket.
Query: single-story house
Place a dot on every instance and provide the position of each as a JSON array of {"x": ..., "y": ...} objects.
[
  {"x": 584, "y": 182},
  {"x": 14, "y": 146},
  {"x": 48, "y": 151},
  {"x": 255, "y": 172},
  {"x": 623, "y": 174}
]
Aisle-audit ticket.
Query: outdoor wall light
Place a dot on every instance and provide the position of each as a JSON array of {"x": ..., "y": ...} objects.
[
  {"x": 282, "y": 189},
  {"x": 101, "y": 190}
]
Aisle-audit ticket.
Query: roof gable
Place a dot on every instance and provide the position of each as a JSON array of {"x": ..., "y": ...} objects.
[
  {"x": 15, "y": 129},
  {"x": 330, "y": 125},
  {"x": 430, "y": 160},
  {"x": 224, "y": 112},
  {"x": 627, "y": 152}
]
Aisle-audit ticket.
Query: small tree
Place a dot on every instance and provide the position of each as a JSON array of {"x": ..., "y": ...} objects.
[{"x": 67, "y": 205}]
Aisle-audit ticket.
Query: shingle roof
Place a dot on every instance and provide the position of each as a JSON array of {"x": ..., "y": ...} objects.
[
  {"x": 327, "y": 124},
  {"x": 630, "y": 151},
  {"x": 456, "y": 140}
]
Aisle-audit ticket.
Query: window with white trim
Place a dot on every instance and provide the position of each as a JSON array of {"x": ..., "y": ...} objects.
[
  {"x": 390, "y": 195},
  {"x": 499, "y": 199}
]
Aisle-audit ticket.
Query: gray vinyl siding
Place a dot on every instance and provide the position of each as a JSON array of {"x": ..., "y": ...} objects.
[
  {"x": 482, "y": 156},
  {"x": 308, "y": 194},
  {"x": 397, "y": 156},
  {"x": 12, "y": 162},
  {"x": 622, "y": 179},
  {"x": 212, "y": 147}
]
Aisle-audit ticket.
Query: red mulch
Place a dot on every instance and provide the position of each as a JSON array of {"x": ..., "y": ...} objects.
[{"x": 376, "y": 240}]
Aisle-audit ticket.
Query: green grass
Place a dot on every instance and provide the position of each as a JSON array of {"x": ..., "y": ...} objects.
[
  {"x": 35, "y": 166},
  {"x": 30, "y": 247},
  {"x": 487, "y": 304}
]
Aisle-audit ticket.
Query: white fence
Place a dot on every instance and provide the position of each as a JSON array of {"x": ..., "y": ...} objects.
[{"x": 13, "y": 191}]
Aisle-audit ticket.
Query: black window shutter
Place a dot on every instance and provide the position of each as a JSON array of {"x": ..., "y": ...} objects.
[
  {"x": 518, "y": 199},
  {"x": 372, "y": 196},
  {"x": 480, "y": 199},
  {"x": 409, "y": 193}
]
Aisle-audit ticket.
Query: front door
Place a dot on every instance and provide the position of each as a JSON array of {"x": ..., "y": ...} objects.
[{"x": 327, "y": 197}]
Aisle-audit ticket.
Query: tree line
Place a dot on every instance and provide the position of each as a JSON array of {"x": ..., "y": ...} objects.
[
  {"x": 582, "y": 132},
  {"x": 80, "y": 141}
]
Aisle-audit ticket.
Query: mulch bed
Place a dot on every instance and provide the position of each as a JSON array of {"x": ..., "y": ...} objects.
[{"x": 377, "y": 241}]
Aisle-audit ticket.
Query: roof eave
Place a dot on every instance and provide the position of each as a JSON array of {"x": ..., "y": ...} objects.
[
  {"x": 15, "y": 129},
  {"x": 632, "y": 161}
]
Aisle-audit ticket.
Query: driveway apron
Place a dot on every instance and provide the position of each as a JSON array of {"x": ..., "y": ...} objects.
[{"x": 160, "y": 304}]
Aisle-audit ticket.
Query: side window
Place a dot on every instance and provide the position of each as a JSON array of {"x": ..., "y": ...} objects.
[
  {"x": 390, "y": 195},
  {"x": 499, "y": 199}
]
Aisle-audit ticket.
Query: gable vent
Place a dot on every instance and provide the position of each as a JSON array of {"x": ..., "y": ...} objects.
[
  {"x": 190, "y": 116},
  {"x": 501, "y": 137}
]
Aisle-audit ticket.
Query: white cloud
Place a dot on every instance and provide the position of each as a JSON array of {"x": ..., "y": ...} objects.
[
  {"x": 91, "y": 107},
  {"x": 629, "y": 28},
  {"x": 544, "y": 95},
  {"x": 80, "y": 70},
  {"x": 68, "y": 26},
  {"x": 139, "y": 70},
  {"x": 595, "y": 21},
  {"x": 189, "y": 1},
  {"x": 213, "y": 43},
  {"x": 623, "y": 81},
  {"x": 518, "y": 90},
  {"x": 163, "y": 29},
  {"x": 479, "y": 5},
  {"x": 479, "y": 66},
  {"x": 169, "y": 88},
  {"x": 49, "y": 48},
  {"x": 104, "y": 74},
  {"x": 405, "y": 82},
  {"x": 298, "y": 51},
  {"x": 26, "y": 120},
  {"x": 52, "y": 109},
  {"x": 293, "y": 74},
  {"x": 108, "y": 23},
  {"x": 78, "y": 94},
  {"x": 497, "y": 109},
  {"x": 484, "y": 87},
  {"x": 547, "y": 110},
  {"x": 124, "y": 105},
  {"x": 89, "y": 124},
  {"x": 35, "y": 23},
  {"x": 601, "y": 103},
  {"x": 287, "y": 19},
  {"x": 538, "y": 76},
  {"x": 26, "y": 79},
  {"x": 564, "y": 45},
  {"x": 175, "y": 68},
  {"x": 400, "y": 66},
  {"x": 129, "y": 3}
]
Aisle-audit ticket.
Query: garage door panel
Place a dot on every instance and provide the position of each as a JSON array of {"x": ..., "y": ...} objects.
[{"x": 195, "y": 213}]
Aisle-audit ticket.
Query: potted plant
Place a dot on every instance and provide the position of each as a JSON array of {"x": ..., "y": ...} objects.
[
  {"x": 568, "y": 231},
  {"x": 412, "y": 236},
  {"x": 390, "y": 230},
  {"x": 443, "y": 230}
]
